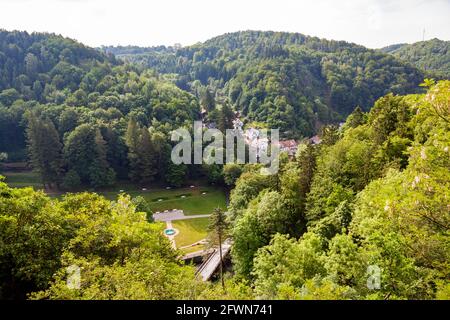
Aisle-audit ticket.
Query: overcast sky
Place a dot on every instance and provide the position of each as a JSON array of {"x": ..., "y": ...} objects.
[{"x": 373, "y": 23}]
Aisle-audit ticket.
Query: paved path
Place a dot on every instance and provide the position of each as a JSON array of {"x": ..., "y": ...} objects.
[
  {"x": 172, "y": 215},
  {"x": 171, "y": 237}
]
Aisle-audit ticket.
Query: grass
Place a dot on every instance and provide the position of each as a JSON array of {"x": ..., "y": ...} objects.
[
  {"x": 22, "y": 179},
  {"x": 198, "y": 200},
  {"x": 195, "y": 248},
  {"x": 193, "y": 202},
  {"x": 190, "y": 231}
]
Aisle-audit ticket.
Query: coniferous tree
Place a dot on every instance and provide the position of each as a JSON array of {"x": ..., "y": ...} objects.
[
  {"x": 207, "y": 101},
  {"x": 356, "y": 118},
  {"x": 100, "y": 173},
  {"x": 132, "y": 141},
  {"x": 162, "y": 153},
  {"x": 176, "y": 174},
  {"x": 116, "y": 152},
  {"x": 45, "y": 150},
  {"x": 85, "y": 152},
  {"x": 225, "y": 118},
  {"x": 218, "y": 229},
  {"x": 306, "y": 159},
  {"x": 147, "y": 157}
]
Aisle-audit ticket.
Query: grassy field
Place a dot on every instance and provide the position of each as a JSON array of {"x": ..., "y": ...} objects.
[
  {"x": 200, "y": 199},
  {"x": 191, "y": 231},
  {"x": 22, "y": 179},
  {"x": 193, "y": 249},
  {"x": 197, "y": 200}
]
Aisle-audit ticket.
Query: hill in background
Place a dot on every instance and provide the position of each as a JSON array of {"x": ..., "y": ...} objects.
[
  {"x": 286, "y": 80},
  {"x": 432, "y": 55}
]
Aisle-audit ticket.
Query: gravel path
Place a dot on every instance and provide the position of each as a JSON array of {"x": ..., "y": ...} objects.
[{"x": 172, "y": 215}]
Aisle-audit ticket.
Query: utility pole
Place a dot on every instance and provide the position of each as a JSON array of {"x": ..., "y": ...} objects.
[{"x": 423, "y": 35}]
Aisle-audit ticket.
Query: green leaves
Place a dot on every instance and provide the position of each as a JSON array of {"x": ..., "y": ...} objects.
[
  {"x": 33, "y": 235},
  {"x": 120, "y": 254},
  {"x": 85, "y": 151},
  {"x": 45, "y": 149},
  {"x": 287, "y": 262},
  {"x": 377, "y": 211}
]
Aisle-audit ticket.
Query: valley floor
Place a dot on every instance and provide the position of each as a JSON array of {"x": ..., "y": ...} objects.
[{"x": 195, "y": 202}]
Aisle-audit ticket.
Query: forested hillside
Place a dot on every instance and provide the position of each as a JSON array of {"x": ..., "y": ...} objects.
[
  {"x": 373, "y": 196},
  {"x": 363, "y": 215},
  {"x": 432, "y": 55},
  {"x": 286, "y": 80},
  {"x": 83, "y": 117},
  {"x": 43, "y": 68}
]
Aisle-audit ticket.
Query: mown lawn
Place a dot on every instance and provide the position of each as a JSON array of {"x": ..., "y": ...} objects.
[
  {"x": 190, "y": 231},
  {"x": 193, "y": 249},
  {"x": 193, "y": 202},
  {"x": 197, "y": 200},
  {"x": 22, "y": 179},
  {"x": 190, "y": 200}
]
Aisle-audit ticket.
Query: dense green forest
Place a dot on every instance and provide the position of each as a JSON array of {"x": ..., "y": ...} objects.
[
  {"x": 286, "y": 80},
  {"x": 374, "y": 194},
  {"x": 91, "y": 112},
  {"x": 371, "y": 200},
  {"x": 432, "y": 55},
  {"x": 83, "y": 116}
]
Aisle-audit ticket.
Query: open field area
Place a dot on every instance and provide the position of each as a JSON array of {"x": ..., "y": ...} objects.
[
  {"x": 190, "y": 231},
  {"x": 197, "y": 200},
  {"x": 201, "y": 199},
  {"x": 22, "y": 179}
]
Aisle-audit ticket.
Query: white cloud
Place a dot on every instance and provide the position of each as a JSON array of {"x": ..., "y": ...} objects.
[{"x": 373, "y": 23}]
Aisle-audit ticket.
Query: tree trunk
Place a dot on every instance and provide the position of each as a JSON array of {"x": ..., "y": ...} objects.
[{"x": 221, "y": 260}]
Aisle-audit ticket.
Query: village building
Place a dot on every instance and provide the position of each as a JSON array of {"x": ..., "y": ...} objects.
[
  {"x": 290, "y": 146},
  {"x": 237, "y": 125},
  {"x": 251, "y": 134},
  {"x": 315, "y": 140}
]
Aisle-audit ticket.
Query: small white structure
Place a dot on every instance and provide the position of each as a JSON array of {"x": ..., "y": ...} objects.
[
  {"x": 260, "y": 145},
  {"x": 251, "y": 134},
  {"x": 237, "y": 125},
  {"x": 315, "y": 140}
]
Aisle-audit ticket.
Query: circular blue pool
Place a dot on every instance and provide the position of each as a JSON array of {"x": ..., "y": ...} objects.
[{"x": 169, "y": 232}]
